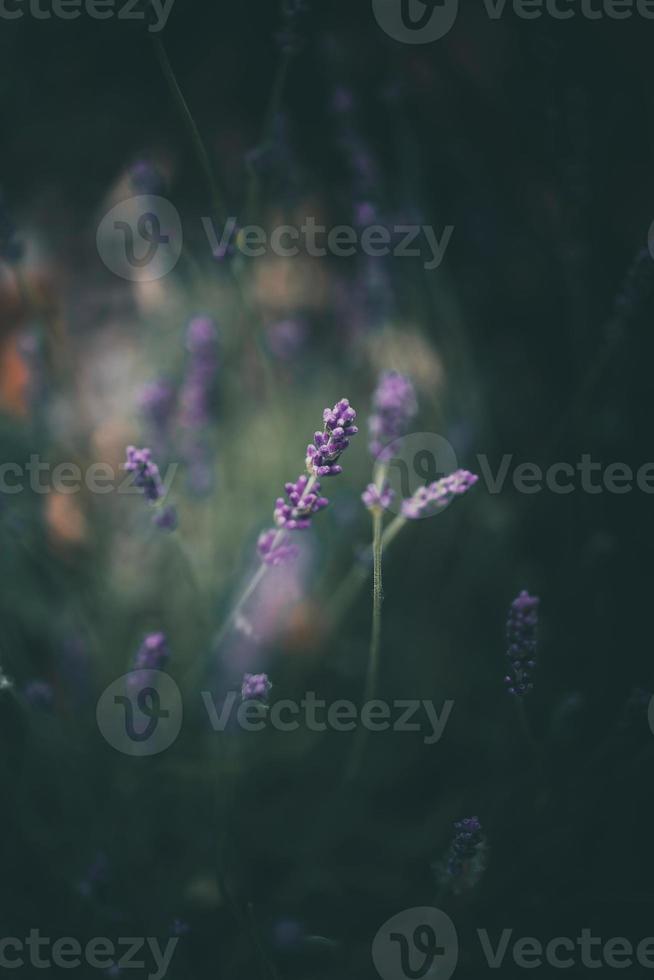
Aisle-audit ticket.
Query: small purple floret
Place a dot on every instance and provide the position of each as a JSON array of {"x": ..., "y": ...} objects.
[
  {"x": 255, "y": 687},
  {"x": 274, "y": 552},
  {"x": 151, "y": 656},
  {"x": 467, "y": 840},
  {"x": 325, "y": 451},
  {"x": 166, "y": 518},
  {"x": 375, "y": 499},
  {"x": 296, "y": 514},
  {"x": 146, "y": 473}
]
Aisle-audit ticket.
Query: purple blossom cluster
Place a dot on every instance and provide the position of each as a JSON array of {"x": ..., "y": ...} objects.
[
  {"x": 521, "y": 629},
  {"x": 196, "y": 396},
  {"x": 157, "y": 401},
  {"x": 325, "y": 451},
  {"x": 428, "y": 500},
  {"x": 376, "y": 498},
  {"x": 394, "y": 405},
  {"x": 151, "y": 656},
  {"x": 303, "y": 502},
  {"x": 303, "y": 498},
  {"x": 275, "y": 554},
  {"x": 255, "y": 687},
  {"x": 146, "y": 473},
  {"x": 464, "y": 848}
]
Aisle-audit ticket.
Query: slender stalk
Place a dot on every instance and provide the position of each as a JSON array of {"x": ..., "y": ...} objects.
[
  {"x": 372, "y": 673},
  {"x": 260, "y": 573},
  {"x": 187, "y": 117}
]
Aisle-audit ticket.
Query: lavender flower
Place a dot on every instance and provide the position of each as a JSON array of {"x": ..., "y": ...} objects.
[
  {"x": 428, "y": 500},
  {"x": 151, "y": 656},
  {"x": 394, "y": 406},
  {"x": 521, "y": 627},
  {"x": 467, "y": 842},
  {"x": 273, "y": 552},
  {"x": 304, "y": 502},
  {"x": 201, "y": 342},
  {"x": 325, "y": 451},
  {"x": 166, "y": 518},
  {"x": 375, "y": 498},
  {"x": 157, "y": 402},
  {"x": 196, "y": 398},
  {"x": 255, "y": 687},
  {"x": 147, "y": 478}
]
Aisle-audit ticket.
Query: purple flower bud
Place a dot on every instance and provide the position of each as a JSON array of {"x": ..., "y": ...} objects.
[
  {"x": 378, "y": 499},
  {"x": 303, "y": 504},
  {"x": 151, "y": 656},
  {"x": 145, "y": 178},
  {"x": 394, "y": 405},
  {"x": 466, "y": 843},
  {"x": 157, "y": 402},
  {"x": 166, "y": 518},
  {"x": 255, "y": 687},
  {"x": 428, "y": 500},
  {"x": 325, "y": 451},
  {"x": 521, "y": 628},
  {"x": 273, "y": 553},
  {"x": 139, "y": 462}
]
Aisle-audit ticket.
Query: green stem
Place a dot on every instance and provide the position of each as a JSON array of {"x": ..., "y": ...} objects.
[
  {"x": 372, "y": 673},
  {"x": 187, "y": 117}
]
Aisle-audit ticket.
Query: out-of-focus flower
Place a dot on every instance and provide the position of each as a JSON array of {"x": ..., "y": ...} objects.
[
  {"x": 166, "y": 518},
  {"x": 195, "y": 398},
  {"x": 394, "y": 405},
  {"x": 39, "y": 694},
  {"x": 328, "y": 446},
  {"x": 275, "y": 553},
  {"x": 65, "y": 518},
  {"x": 151, "y": 656},
  {"x": 145, "y": 178},
  {"x": 521, "y": 629},
  {"x": 285, "y": 338},
  {"x": 375, "y": 498},
  {"x": 146, "y": 473},
  {"x": 255, "y": 687},
  {"x": 157, "y": 402},
  {"x": 466, "y": 844},
  {"x": 5, "y": 683},
  {"x": 430, "y": 499},
  {"x": 303, "y": 504}
]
